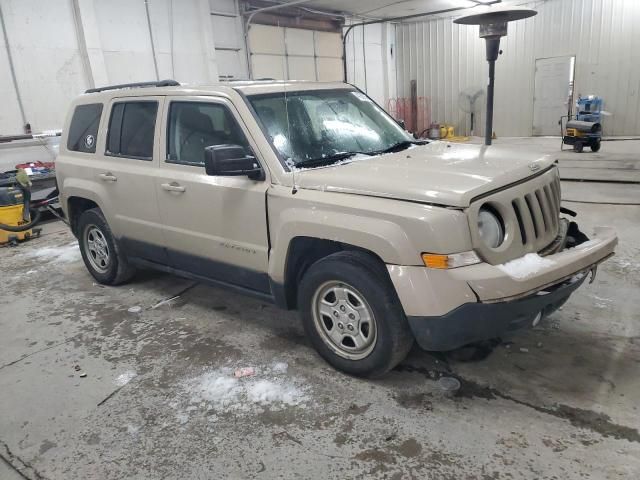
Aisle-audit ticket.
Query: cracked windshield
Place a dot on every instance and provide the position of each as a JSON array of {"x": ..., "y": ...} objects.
[{"x": 315, "y": 128}]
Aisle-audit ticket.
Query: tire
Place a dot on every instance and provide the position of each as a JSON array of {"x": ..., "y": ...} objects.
[
  {"x": 578, "y": 147},
  {"x": 105, "y": 259},
  {"x": 595, "y": 146},
  {"x": 354, "y": 283}
]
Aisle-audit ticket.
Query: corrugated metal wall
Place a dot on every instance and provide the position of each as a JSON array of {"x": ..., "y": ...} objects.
[{"x": 604, "y": 36}]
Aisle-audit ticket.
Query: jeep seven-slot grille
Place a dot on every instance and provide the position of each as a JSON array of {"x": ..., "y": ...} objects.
[
  {"x": 537, "y": 212},
  {"x": 530, "y": 212}
]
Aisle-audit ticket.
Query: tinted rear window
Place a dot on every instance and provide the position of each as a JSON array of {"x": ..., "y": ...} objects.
[
  {"x": 83, "y": 130},
  {"x": 131, "y": 129}
]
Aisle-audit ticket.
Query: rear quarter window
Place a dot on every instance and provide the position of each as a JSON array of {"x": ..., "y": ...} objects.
[{"x": 83, "y": 130}]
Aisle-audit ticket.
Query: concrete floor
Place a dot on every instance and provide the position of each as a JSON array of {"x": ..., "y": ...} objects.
[{"x": 157, "y": 401}]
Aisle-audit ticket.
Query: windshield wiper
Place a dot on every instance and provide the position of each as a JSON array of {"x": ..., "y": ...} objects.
[
  {"x": 328, "y": 159},
  {"x": 403, "y": 145},
  {"x": 336, "y": 157}
]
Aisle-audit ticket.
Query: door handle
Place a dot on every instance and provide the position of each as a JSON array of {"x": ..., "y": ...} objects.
[
  {"x": 173, "y": 187},
  {"x": 108, "y": 177}
]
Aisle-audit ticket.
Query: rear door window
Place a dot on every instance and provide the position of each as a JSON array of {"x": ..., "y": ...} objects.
[
  {"x": 83, "y": 130},
  {"x": 131, "y": 129}
]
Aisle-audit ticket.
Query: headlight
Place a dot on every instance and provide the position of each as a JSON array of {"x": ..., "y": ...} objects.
[{"x": 490, "y": 227}]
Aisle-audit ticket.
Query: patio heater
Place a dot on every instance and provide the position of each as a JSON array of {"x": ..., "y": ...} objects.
[{"x": 493, "y": 25}]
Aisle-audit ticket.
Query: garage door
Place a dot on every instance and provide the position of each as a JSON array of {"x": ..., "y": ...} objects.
[
  {"x": 295, "y": 54},
  {"x": 229, "y": 41}
]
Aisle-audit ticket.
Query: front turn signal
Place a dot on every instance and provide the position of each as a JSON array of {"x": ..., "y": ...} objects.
[{"x": 452, "y": 260}]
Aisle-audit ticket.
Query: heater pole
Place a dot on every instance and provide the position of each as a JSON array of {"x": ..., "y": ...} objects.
[
  {"x": 493, "y": 50},
  {"x": 489, "y": 126},
  {"x": 493, "y": 25}
]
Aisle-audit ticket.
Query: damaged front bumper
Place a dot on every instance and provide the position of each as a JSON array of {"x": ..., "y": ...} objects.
[
  {"x": 450, "y": 308},
  {"x": 490, "y": 283},
  {"x": 473, "y": 322}
]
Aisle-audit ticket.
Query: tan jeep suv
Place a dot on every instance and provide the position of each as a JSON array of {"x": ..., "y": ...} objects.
[{"x": 310, "y": 196}]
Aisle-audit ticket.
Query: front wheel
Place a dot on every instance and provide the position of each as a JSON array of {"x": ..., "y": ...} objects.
[
  {"x": 595, "y": 146},
  {"x": 352, "y": 316}
]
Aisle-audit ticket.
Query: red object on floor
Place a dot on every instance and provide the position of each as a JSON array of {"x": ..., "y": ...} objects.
[{"x": 38, "y": 164}]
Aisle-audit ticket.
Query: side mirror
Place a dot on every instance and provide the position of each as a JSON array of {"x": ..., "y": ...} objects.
[
  {"x": 401, "y": 123},
  {"x": 231, "y": 160}
]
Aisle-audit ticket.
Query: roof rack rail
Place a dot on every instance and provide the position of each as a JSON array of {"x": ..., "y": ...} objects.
[
  {"x": 159, "y": 83},
  {"x": 263, "y": 79}
]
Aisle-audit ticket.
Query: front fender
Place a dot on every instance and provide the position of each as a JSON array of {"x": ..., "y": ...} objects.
[{"x": 396, "y": 231}]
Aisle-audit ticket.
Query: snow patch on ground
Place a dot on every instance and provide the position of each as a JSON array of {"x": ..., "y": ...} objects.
[
  {"x": 220, "y": 392},
  {"x": 267, "y": 391},
  {"x": 182, "y": 418},
  {"x": 526, "y": 266},
  {"x": 280, "y": 367},
  {"x": 627, "y": 264},
  {"x": 124, "y": 378},
  {"x": 602, "y": 303},
  {"x": 133, "y": 429},
  {"x": 64, "y": 254}
]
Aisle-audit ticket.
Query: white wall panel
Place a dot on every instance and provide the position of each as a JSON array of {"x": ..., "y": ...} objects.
[
  {"x": 47, "y": 51},
  {"x": 370, "y": 65},
  {"x": 445, "y": 58},
  {"x": 225, "y": 31},
  {"x": 47, "y": 64},
  {"x": 228, "y": 34},
  {"x": 358, "y": 71},
  {"x": 10, "y": 118}
]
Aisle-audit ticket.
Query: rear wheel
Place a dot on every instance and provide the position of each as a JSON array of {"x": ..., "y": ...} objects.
[
  {"x": 595, "y": 146},
  {"x": 352, "y": 315},
  {"x": 100, "y": 251}
]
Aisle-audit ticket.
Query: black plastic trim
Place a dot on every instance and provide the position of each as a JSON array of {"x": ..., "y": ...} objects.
[
  {"x": 265, "y": 297},
  {"x": 473, "y": 322},
  {"x": 198, "y": 268},
  {"x": 144, "y": 250}
]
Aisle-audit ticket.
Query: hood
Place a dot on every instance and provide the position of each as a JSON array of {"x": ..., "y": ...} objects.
[{"x": 439, "y": 173}]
